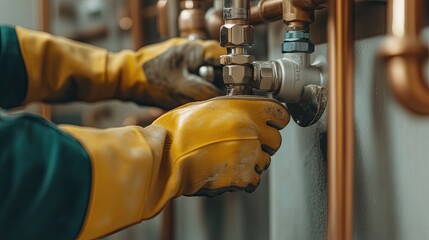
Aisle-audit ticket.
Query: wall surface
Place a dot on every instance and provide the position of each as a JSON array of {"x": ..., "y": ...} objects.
[
  {"x": 392, "y": 161},
  {"x": 19, "y": 12}
]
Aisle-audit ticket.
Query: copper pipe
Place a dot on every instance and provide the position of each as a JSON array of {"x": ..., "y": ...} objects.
[
  {"x": 44, "y": 25},
  {"x": 266, "y": 11},
  {"x": 309, "y": 4},
  {"x": 137, "y": 28},
  {"x": 167, "y": 231},
  {"x": 214, "y": 20},
  {"x": 162, "y": 18},
  {"x": 405, "y": 55},
  {"x": 272, "y": 10},
  {"x": 299, "y": 14},
  {"x": 44, "y": 19},
  {"x": 340, "y": 120},
  {"x": 191, "y": 19}
]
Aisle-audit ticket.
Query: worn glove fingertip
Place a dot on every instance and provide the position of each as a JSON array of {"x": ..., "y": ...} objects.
[
  {"x": 271, "y": 151},
  {"x": 252, "y": 187},
  {"x": 275, "y": 125}
]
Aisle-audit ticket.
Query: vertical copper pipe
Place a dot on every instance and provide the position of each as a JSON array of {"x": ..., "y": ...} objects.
[
  {"x": 137, "y": 28},
  {"x": 162, "y": 18},
  {"x": 44, "y": 14},
  {"x": 167, "y": 232},
  {"x": 340, "y": 120},
  {"x": 266, "y": 11},
  {"x": 44, "y": 25},
  {"x": 405, "y": 55},
  {"x": 191, "y": 19},
  {"x": 272, "y": 10}
]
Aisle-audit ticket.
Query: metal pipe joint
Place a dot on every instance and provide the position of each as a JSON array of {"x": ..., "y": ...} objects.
[
  {"x": 291, "y": 79},
  {"x": 237, "y": 36},
  {"x": 295, "y": 81}
]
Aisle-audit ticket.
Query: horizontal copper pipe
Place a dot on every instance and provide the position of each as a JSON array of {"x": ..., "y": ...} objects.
[
  {"x": 405, "y": 55},
  {"x": 266, "y": 11},
  {"x": 272, "y": 10},
  {"x": 309, "y": 4},
  {"x": 340, "y": 120}
]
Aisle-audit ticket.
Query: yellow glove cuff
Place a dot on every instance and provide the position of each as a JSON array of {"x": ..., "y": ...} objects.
[{"x": 126, "y": 177}]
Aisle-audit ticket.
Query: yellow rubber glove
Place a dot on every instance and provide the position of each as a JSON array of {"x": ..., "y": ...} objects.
[
  {"x": 202, "y": 148},
  {"x": 62, "y": 70}
]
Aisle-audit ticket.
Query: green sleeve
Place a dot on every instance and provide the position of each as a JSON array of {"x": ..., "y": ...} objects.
[
  {"x": 45, "y": 180},
  {"x": 13, "y": 75}
]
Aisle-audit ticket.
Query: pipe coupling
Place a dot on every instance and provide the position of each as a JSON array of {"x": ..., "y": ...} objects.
[
  {"x": 232, "y": 35},
  {"x": 297, "y": 42},
  {"x": 267, "y": 76},
  {"x": 237, "y": 73}
]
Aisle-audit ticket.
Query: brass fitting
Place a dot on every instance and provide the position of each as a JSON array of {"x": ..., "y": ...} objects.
[
  {"x": 236, "y": 35},
  {"x": 214, "y": 21},
  {"x": 296, "y": 16},
  {"x": 191, "y": 20},
  {"x": 266, "y": 11},
  {"x": 300, "y": 12},
  {"x": 236, "y": 59},
  {"x": 237, "y": 75}
]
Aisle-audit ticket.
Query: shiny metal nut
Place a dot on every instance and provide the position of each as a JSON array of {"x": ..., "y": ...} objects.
[
  {"x": 237, "y": 74},
  {"x": 297, "y": 35},
  {"x": 236, "y": 35},
  {"x": 236, "y": 59},
  {"x": 267, "y": 78},
  {"x": 265, "y": 75},
  {"x": 297, "y": 47}
]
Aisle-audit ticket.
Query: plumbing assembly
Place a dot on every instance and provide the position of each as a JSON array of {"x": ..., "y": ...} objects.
[
  {"x": 292, "y": 79},
  {"x": 301, "y": 84}
]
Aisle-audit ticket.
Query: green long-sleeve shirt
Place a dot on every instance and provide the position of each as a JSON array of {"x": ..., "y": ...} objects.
[{"x": 45, "y": 174}]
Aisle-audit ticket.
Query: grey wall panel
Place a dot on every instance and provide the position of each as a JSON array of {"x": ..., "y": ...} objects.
[
  {"x": 392, "y": 161},
  {"x": 19, "y": 12}
]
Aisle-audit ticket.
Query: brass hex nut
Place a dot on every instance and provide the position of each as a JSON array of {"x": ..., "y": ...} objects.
[
  {"x": 236, "y": 35},
  {"x": 236, "y": 59},
  {"x": 237, "y": 74}
]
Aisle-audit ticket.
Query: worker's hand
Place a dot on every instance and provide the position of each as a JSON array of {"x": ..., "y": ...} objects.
[
  {"x": 170, "y": 74},
  {"x": 60, "y": 70},
  {"x": 202, "y": 148},
  {"x": 222, "y": 144}
]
